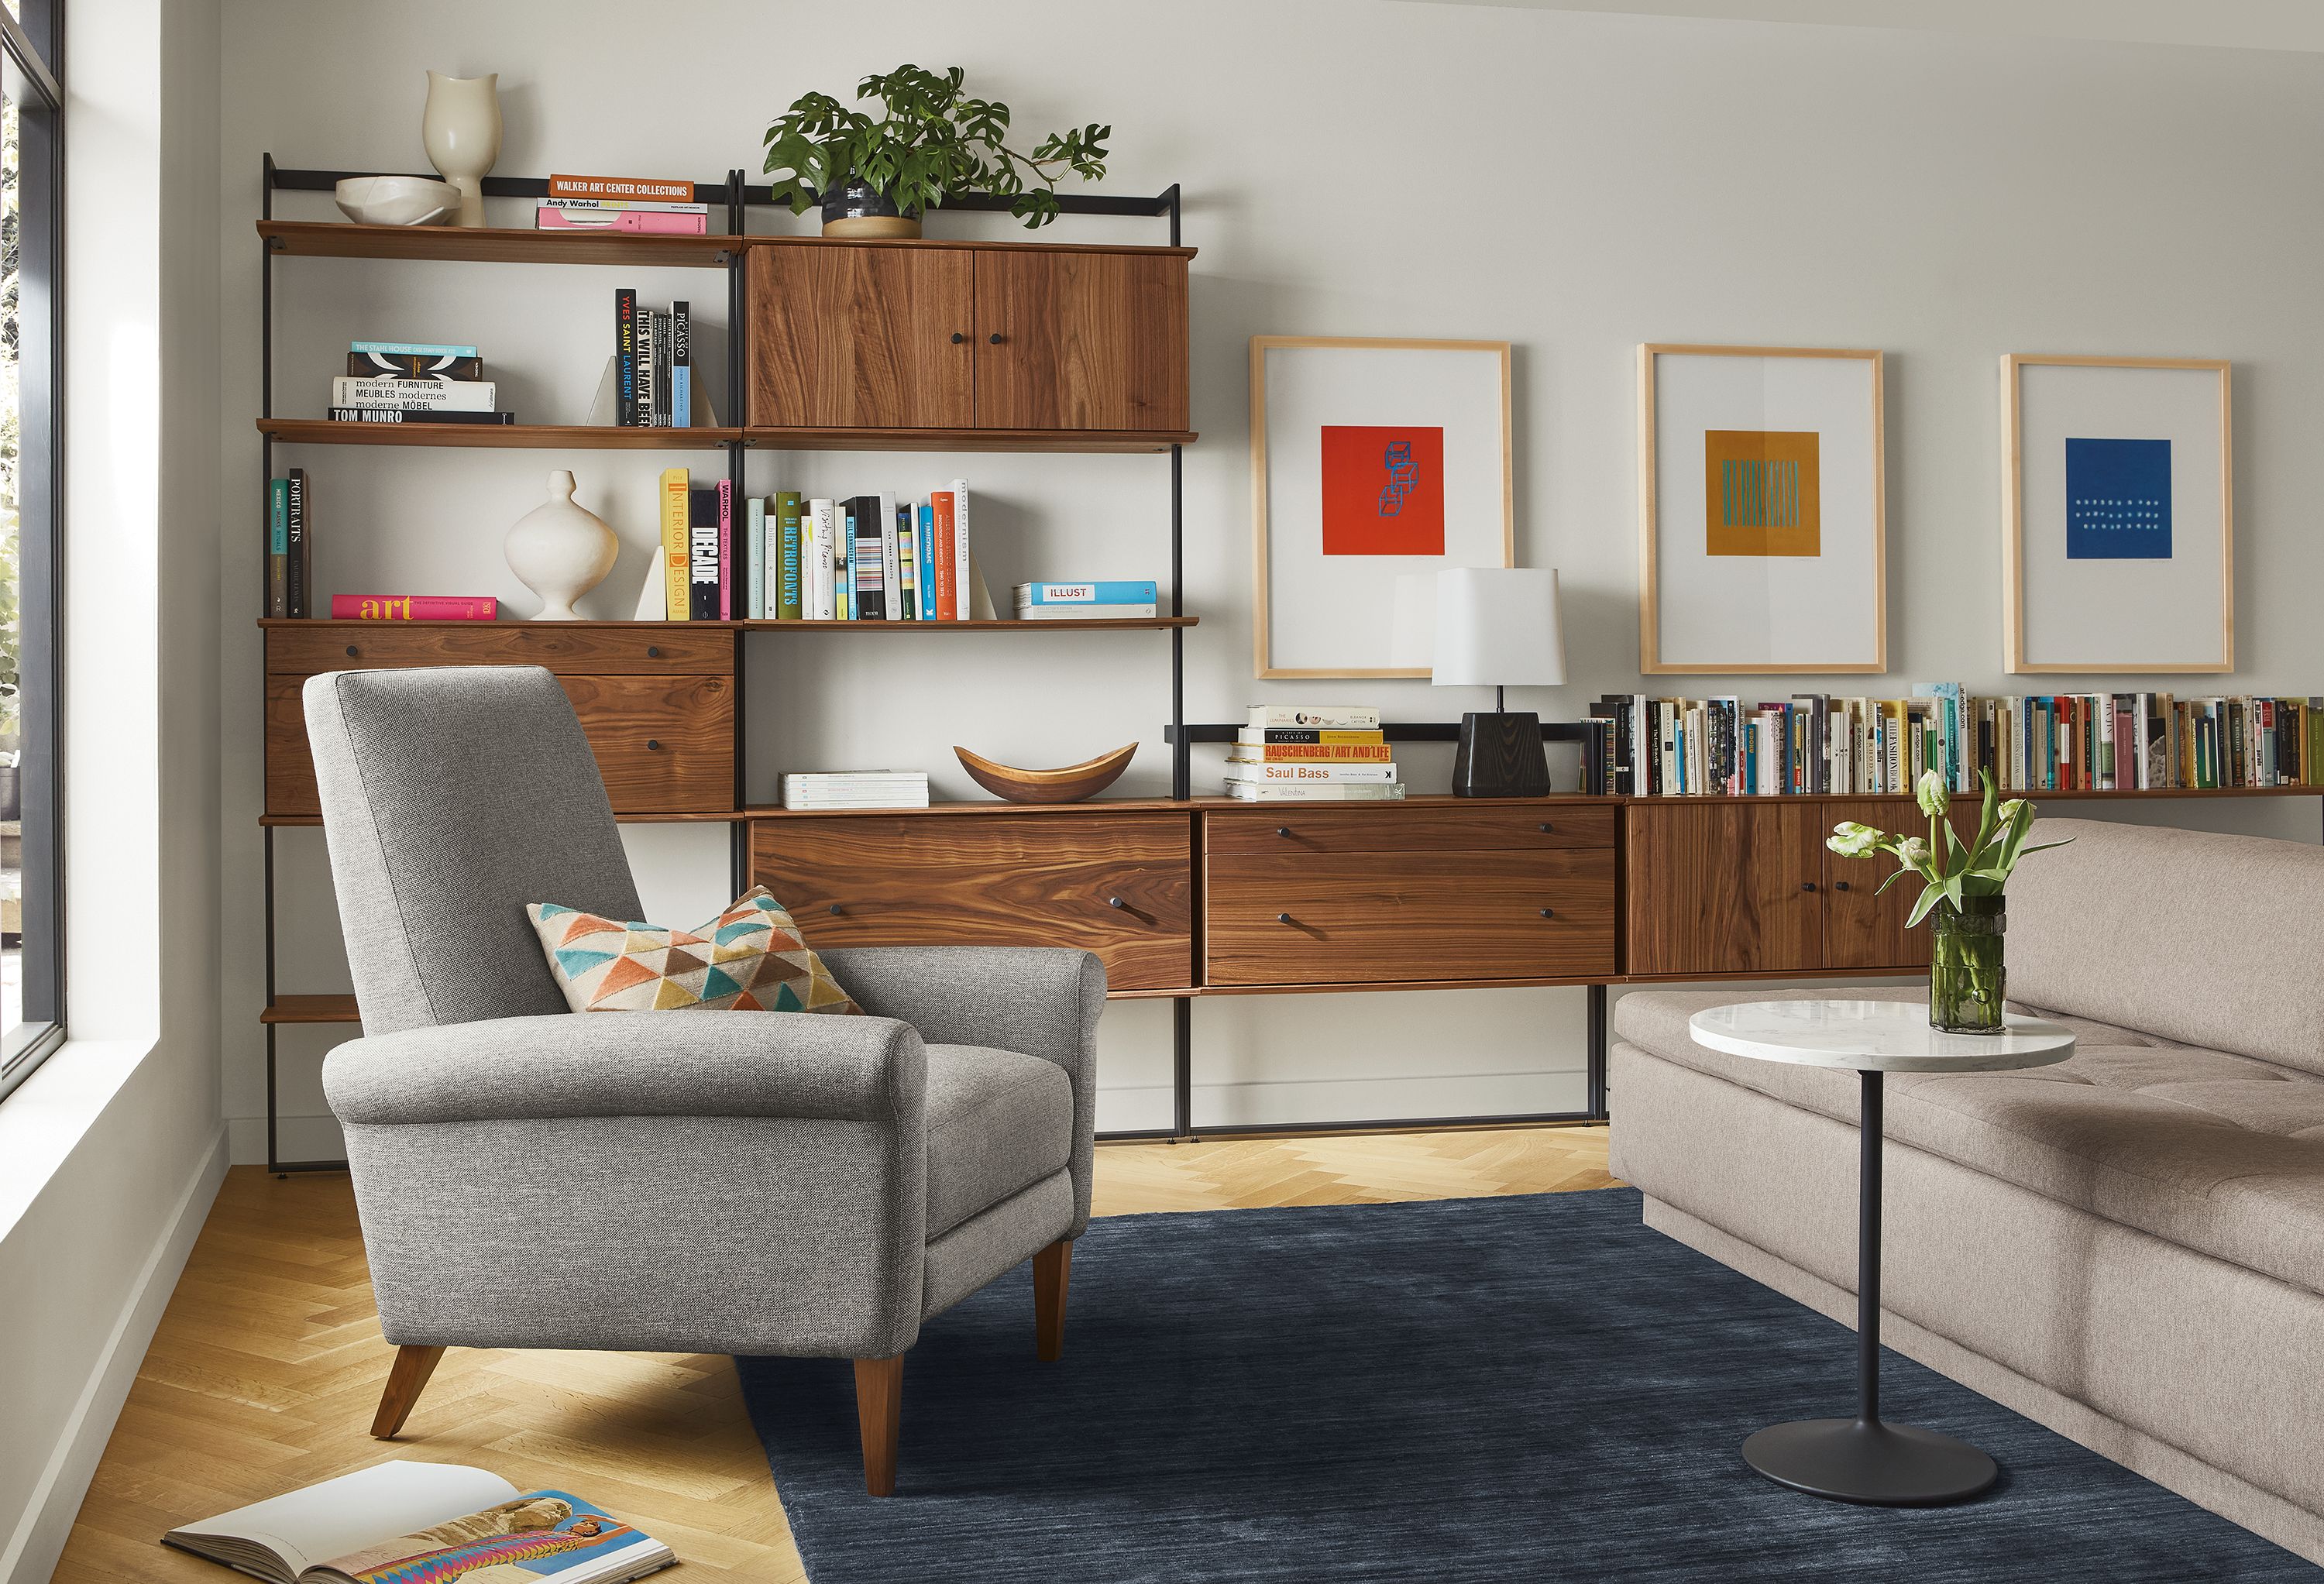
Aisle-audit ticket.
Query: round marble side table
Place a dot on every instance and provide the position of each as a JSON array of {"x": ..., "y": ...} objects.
[{"x": 1866, "y": 1459}]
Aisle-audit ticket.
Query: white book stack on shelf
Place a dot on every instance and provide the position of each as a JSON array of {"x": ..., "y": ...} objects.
[
  {"x": 856, "y": 790},
  {"x": 1313, "y": 753}
]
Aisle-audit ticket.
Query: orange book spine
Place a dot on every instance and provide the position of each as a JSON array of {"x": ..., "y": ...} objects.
[{"x": 1283, "y": 753}]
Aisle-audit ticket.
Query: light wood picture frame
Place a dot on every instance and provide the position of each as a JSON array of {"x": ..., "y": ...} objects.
[
  {"x": 1331, "y": 531},
  {"x": 1762, "y": 525},
  {"x": 2119, "y": 524}
]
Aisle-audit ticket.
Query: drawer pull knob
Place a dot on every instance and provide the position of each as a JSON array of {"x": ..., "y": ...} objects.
[
  {"x": 994, "y": 338},
  {"x": 351, "y": 652},
  {"x": 1840, "y": 885},
  {"x": 836, "y": 909},
  {"x": 653, "y": 651},
  {"x": 957, "y": 337},
  {"x": 1807, "y": 885},
  {"x": 653, "y": 744},
  {"x": 1548, "y": 913},
  {"x": 1283, "y": 918},
  {"x": 1546, "y": 828},
  {"x": 1115, "y": 902},
  {"x": 1279, "y": 830}
]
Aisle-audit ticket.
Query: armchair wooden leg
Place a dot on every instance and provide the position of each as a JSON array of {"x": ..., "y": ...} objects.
[
  {"x": 406, "y": 1379},
  {"x": 1052, "y": 1268},
  {"x": 879, "y": 1413}
]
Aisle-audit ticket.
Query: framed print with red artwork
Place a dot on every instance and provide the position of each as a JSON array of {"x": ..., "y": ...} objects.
[{"x": 1369, "y": 460}]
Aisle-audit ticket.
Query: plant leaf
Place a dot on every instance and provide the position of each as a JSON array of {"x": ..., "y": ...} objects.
[{"x": 1929, "y": 898}]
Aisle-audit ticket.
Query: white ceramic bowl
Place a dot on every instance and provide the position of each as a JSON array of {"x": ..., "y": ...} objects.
[{"x": 394, "y": 200}]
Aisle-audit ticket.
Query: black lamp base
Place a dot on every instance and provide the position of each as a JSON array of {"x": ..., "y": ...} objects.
[{"x": 1500, "y": 755}]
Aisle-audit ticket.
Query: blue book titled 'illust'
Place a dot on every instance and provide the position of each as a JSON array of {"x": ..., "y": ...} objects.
[{"x": 1086, "y": 594}]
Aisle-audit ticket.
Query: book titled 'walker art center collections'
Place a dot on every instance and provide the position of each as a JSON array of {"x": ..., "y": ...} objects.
[{"x": 411, "y": 1523}]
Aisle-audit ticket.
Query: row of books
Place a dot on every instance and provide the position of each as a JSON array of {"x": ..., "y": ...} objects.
[
  {"x": 788, "y": 558},
  {"x": 415, "y": 381},
  {"x": 1312, "y": 753},
  {"x": 637, "y": 205},
  {"x": 653, "y": 363},
  {"x": 856, "y": 790},
  {"x": 290, "y": 545},
  {"x": 1814, "y": 743}
]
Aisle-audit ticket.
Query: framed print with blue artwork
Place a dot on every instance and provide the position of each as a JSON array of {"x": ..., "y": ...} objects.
[{"x": 2118, "y": 505}]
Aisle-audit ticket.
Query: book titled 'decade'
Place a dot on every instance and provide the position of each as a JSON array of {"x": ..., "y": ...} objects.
[{"x": 411, "y": 1521}]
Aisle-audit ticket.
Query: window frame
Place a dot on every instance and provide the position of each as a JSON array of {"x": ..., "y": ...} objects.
[{"x": 31, "y": 57}]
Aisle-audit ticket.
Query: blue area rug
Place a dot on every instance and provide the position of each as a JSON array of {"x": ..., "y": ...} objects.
[{"x": 1485, "y": 1390}]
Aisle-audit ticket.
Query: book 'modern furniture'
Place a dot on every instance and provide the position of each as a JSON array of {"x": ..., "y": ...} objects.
[
  {"x": 2128, "y": 1247},
  {"x": 736, "y": 1183}
]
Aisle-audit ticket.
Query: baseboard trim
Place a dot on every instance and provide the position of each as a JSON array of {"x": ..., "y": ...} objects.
[
  {"x": 2235, "y": 1499},
  {"x": 31, "y": 1555}
]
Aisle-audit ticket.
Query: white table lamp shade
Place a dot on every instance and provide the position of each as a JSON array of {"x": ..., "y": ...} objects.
[{"x": 1498, "y": 627}]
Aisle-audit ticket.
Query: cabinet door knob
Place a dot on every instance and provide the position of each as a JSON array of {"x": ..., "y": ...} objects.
[
  {"x": 1807, "y": 885},
  {"x": 836, "y": 909},
  {"x": 653, "y": 745},
  {"x": 653, "y": 651},
  {"x": 1840, "y": 885},
  {"x": 1115, "y": 902},
  {"x": 957, "y": 337},
  {"x": 1548, "y": 913},
  {"x": 1283, "y": 918},
  {"x": 1546, "y": 827},
  {"x": 994, "y": 338},
  {"x": 351, "y": 650},
  {"x": 1279, "y": 830}
]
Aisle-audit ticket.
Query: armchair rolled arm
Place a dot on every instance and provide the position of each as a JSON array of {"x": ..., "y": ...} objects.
[{"x": 632, "y": 1064}]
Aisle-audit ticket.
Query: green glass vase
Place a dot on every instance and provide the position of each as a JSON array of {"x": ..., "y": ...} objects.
[{"x": 1967, "y": 979}]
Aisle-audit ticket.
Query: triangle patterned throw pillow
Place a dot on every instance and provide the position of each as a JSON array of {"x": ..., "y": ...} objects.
[{"x": 750, "y": 958}]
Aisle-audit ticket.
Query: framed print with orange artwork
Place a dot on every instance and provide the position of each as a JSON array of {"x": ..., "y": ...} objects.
[
  {"x": 1761, "y": 536},
  {"x": 1370, "y": 459}
]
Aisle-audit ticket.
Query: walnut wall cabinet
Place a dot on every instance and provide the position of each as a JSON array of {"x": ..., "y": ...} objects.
[{"x": 1004, "y": 337}]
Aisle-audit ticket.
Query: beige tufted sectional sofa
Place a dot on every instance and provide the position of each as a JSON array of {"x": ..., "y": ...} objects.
[{"x": 2128, "y": 1247}]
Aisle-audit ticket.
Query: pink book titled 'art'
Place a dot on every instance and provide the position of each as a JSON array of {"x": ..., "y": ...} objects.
[
  {"x": 546, "y": 219},
  {"x": 414, "y": 608}
]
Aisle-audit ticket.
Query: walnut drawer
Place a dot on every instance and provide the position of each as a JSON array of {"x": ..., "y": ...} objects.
[
  {"x": 1300, "y": 918},
  {"x": 664, "y": 745},
  {"x": 561, "y": 647},
  {"x": 1402, "y": 827},
  {"x": 1046, "y": 880}
]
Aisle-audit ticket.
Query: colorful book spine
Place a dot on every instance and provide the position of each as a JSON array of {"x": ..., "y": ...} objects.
[
  {"x": 421, "y": 415},
  {"x": 1086, "y": 594},
  {"x": 635, "y": 221},
  {"x": 754, "y": 601},
  {"x": 661, "y": 371},
  {"x": 298, "y": 547},
  {"x": 666, "y": 190},
  {"x": 1261, "y": 736},
  {"x": 677, "y": 554},
  {"x": 413, "y": 365},
  {"x": 1304, "y": 774},
  {"x": 650, "y": 205},
  {"x": 891, "y": 582},
  {"x": 924, "y": 545},
  {"x": 726, "y": 549},
  {"x": 947, "y": 574},
  {"x": 681, "y": 365},
  {"x": 412, "y": 348},
  {"x": 818, "y": 557},
  {"x": 646, "y": 417},
  {"x": 789, "y": 594},
  {"x": 963, "y": 569},
  {"x": 701, "y": 542},
  {"x": 1315, "y": 753},
  {"x": 845, "y": 600},
  {"x": 278, "y": 547},
  {"x": 908, "y": 562},
  {"x": 625, "y": 361},
  {"x": 414, "y": 608},
  {"x": 451, "y": 395}
]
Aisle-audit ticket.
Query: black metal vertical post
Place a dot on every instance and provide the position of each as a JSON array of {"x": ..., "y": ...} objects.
[
  {"x": 1181, "y": 751},
  {"x": 273, "y": 1156},
  {"x": 1597, "y": 1095},
  {"x": 1181, "y": 1068},
  {"x": 1869, "y": 1125}
]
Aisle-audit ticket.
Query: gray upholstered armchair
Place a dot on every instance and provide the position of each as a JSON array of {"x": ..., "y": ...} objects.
[{"x": 694, "y": 1181}]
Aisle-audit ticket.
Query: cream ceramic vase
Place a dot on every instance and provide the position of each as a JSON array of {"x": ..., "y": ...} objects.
[
  {"x": 462, "y": 130},
  {"x": 561, "y": 551}
]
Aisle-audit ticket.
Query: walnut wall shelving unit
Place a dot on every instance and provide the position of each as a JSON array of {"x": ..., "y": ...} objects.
[{"x": 662, "y": 701}]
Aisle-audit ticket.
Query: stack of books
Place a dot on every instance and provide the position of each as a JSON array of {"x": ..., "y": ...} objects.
[
  {"x": 1312, "y": 753},
  {"x": 414, "y": 381},
  {"x": 1083, "y": 602},
  {"x": 653, "y": 363},
  {"x": 637, "y": 205},
  {"x": 786, "y": 557},
  {"x": 2043, "y": 742},
  {"x": 856, "y": 790}
]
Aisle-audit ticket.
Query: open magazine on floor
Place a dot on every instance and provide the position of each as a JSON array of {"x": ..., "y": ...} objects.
[{"x": 408, "y": 1523}]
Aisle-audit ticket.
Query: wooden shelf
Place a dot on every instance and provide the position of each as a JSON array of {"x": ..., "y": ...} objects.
[
  {"x": 311, "y": 1010},
  {"x": 341, "y": 239},
  {"x": 324, "y": 431},
  {"x": 995, "y": 805},
  {"x": 1117, "y": 441},
  {"x": 723, "y": 816}
]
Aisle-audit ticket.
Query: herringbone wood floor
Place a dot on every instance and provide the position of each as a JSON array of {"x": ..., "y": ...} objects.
[{"x": 268, "y": 1363}]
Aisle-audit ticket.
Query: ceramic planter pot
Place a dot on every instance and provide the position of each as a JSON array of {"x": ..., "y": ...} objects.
[
  {"x": 859, "y": 209},
  {"x": 561, "y": 551}
]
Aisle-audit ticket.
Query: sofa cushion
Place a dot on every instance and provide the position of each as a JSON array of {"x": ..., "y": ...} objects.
[
  {"x": 2203, "y": 939},
  {"x": 999, "y": 1121},
  {"x": 2214, "y": 1151}
]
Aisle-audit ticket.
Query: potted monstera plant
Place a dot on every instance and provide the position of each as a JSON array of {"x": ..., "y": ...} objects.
[{"x": 874, "y": 175}]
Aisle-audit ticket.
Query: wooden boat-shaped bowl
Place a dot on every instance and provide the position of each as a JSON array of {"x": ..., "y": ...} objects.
[{"x": 1067, "y": 784}]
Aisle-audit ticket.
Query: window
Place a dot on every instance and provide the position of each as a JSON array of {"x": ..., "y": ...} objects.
[{"x": 31, "y": 216}]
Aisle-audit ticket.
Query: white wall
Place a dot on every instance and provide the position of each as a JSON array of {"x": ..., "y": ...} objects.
[
  {"x": 1574, "y": 183},
  {"x": 110, "y": 1152}
]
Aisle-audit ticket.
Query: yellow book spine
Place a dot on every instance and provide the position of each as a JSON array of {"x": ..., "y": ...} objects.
[{"x": 674, "y": 548}]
